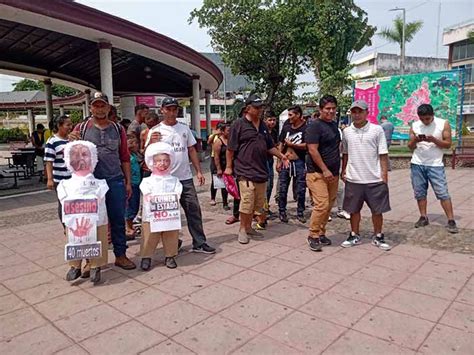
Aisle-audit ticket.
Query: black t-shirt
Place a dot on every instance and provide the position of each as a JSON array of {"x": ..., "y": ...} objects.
[
  {"x": 327, "y": 136},
  {"x": 296, "y": 136},
  {"x": 250, "y": 149}
]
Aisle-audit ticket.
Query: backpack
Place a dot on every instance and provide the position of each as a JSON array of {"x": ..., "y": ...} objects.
[{"x": 83, "y": 129}]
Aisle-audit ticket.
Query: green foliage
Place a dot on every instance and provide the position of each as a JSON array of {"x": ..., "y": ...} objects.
[
  {"x": 272, "y": 42},
  {"x": 32, "y": 85},
  {"x": 13, "y": 134},
  {"x": 75, "y": 116},
  {"x": 395, "y": 33}
]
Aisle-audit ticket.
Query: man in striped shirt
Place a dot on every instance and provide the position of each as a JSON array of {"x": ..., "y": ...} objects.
[
  {"x": 56, "y": 169},
  {"x": 365, "y": 171}
]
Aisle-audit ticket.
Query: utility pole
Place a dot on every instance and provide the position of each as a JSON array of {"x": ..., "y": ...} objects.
[
  {"x": 437, "y": 30},
  {"x": 402, "y": 56}
]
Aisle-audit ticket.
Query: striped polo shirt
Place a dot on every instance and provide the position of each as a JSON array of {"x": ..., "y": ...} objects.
[
  {"x": 54, "y": 152},
  {"x": 364, "y": 146}
]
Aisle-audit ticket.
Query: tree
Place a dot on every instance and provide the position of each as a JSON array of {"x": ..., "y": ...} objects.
[
  {"x": 272, "y": 42},
  {"x": 33, "y": 85},
  {"x": 395, "y": 34}
]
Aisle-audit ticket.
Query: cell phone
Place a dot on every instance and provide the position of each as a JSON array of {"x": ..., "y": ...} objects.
[{"x": 422, "y": 137}]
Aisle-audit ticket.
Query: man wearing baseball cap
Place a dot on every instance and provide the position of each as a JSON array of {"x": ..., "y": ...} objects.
[
  {"x": 365, "y": 171},
  {"x": 246, "y": 157},
  {"x": 113, "y": 165},
  {"x": 180, "y": 137}
]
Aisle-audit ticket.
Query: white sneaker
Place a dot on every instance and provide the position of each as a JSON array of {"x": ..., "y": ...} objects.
[
  {"x": 329, "y": 218},
  {"x": 379, "y": 241},
  {"x": 351, "y": 241},
  {"x": 343, "y": 214},
  {"x": 243, "y": 238}
]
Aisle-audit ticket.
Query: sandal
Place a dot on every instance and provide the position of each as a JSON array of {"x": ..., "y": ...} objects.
[{"x": 231, "y": 220}]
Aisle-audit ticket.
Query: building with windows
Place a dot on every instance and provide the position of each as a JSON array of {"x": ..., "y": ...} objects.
[
  {"x": 386, "y": 64},
  {"x": 461, "y": 56}
]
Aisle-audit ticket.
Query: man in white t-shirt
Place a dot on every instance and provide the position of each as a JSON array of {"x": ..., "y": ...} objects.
[
  {"x": 365, "y": 172},
  {"x": 180, "y": 137},
  {"x": 428, "y": 137}
]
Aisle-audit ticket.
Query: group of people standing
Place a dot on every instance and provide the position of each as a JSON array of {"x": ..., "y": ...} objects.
[
  {"x": 318, "y": 156},
  {"x": 314, "y": 153}
]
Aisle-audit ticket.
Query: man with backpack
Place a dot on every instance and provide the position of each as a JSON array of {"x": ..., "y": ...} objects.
[{"x": 113, "y": 165}]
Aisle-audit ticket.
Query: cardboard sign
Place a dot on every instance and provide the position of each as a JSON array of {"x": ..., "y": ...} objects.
[
  {"x": 164, "y": 212},
  {"x": 218, "y": 182}
]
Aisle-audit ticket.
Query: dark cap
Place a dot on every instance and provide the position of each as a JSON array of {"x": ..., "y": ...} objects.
[
  {"x": 169, "y": 101},
  {"x": 98, "y": 96},
  {"x": 254, "y": 100}
]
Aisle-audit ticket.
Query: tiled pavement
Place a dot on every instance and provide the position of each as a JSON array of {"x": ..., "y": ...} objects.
[{"x": 270, "y": 296}]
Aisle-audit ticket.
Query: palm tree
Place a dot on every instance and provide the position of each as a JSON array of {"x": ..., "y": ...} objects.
[{"x": 395, "y": 34}]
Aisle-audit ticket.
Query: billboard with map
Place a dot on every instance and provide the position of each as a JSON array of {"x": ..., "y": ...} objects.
[{"x": 398, "y": 97}]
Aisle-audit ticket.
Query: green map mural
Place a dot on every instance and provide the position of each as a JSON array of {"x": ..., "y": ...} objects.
[{"x": 398, "y": 97}]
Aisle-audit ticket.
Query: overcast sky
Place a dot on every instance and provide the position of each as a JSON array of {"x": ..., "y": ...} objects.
[{"x": 170, "y": 17}]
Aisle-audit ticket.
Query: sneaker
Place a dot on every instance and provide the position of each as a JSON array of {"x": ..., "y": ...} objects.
[
  {"x": 180, "y": 244},
  {"x": 213, "y": 202},
  {"x": 260, "y": 226},
  {"x": 379, "y": 241},
  {"x": 95, "y": 275},
  {"x": 206, "y": 249},
  {"x": 301, "y": 218},
  {"x": 145, "y": 264},
  {"x": 451, "y": 227},
  {"x": 283, "y": 217},
  {"x": 351, "y": 241},
  {"x": 343, "y": 214},
  {"x": 243, "y": 238},
  {"x": 73, "y": 274},
  {"x": 422, "y": 222},
  {"x": 170, "y": 263},
  {"x": 324, "y": 240},
  {"x": 253, "y": 233},
  {"x": 329, "y": 218},
  {"x": 315, "y": 244},
  {"x": 226, "y": 208}
]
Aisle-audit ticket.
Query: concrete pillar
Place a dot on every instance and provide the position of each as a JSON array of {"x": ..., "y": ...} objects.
[
  {"x": 61, "y": 110},
  {"x": 105, "y": 54},
  {"x": 196, "y": 117},
  {"x": 88, "y": 100},
  {"x": 31, "y": 121},
  {"x": 48, "y": 90},
  {"x": 208, "y": 112},
  {"x": 85, "y": 111}
]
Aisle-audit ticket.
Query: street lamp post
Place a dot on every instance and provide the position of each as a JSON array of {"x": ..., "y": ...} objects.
[{"x": 402, "y": 56}]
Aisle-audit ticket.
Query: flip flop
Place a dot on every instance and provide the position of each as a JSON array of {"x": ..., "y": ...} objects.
[{"x": 231, "y": 220}]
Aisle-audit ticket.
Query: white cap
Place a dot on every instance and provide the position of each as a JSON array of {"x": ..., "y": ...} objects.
[{"x": 155, "y": 149}]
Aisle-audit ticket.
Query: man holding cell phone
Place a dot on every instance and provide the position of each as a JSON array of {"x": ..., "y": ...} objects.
[{"x": 428, "y": 137}]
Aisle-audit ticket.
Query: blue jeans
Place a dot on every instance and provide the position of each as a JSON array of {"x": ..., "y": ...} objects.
[
  {"x": 115, "y": 200},
  {"x": 271, "y": 175},
  {"x": 190, "y": 203},
  {"x": 297, "y": 170},
  {"x": 421, "y": 175},
  {"x": 133, "y": 204}
]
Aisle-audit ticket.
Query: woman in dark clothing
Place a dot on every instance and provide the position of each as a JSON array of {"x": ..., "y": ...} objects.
[
  {"x": 218, "y": 163},
  {"x": 37, "y": 139}
]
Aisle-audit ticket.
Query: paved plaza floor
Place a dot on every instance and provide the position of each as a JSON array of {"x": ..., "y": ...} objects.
[{"x": 270, "y": 296}]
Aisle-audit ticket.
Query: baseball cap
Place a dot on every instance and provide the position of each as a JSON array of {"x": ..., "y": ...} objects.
[
  {"x": 169, "y": 101},
  {"x": 98, "y": 96},
  {"x": 254, "y": 100},
  {"x": 359, "y": 104}
]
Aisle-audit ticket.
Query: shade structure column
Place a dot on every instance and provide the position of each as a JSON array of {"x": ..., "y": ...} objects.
[
  {"x": 88, "y": 100},
  {"x": 106, "y": 84},
  {"x": 31, "y": 121},
  {"x": 85, "y": 111},
  {"x": 61, "y": 110},
  {"x": 196, "y": 117},
  {"x": 208, "y": 112},
  {"x": 48, "y": 90}
]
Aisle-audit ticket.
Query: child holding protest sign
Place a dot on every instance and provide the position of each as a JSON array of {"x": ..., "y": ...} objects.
[
  {"x": 84, "y": 212},
  {"x": 161, "y": 213}
]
